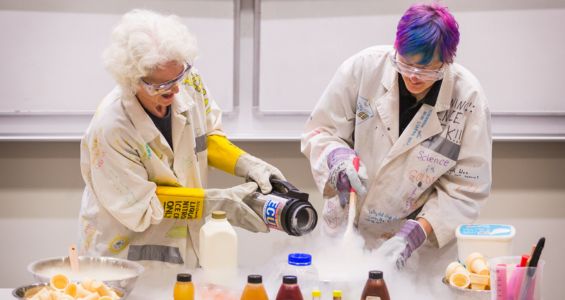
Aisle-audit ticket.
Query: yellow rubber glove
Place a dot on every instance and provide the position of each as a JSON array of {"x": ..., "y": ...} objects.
[
  {"x": 224, "y": 155},
  {"x": 181, "y": 203},
  {"x": 194, "y": 203}
]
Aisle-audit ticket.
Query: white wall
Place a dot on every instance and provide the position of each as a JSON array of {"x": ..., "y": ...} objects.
[{"x": 41, "y": 186}]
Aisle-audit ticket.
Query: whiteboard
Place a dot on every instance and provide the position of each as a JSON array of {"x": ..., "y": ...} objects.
[
  {"x": 52, "y": 76},
  {"x": 267, "y": 62},
  {"x": 515, "y": 52}
]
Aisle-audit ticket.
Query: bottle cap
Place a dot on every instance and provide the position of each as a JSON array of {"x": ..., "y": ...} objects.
[
  {"x": 184, "y": 277},
  {"x": 218, "y": 214},
  {"x": 337, "y": 293},
  {"x": 290, "y": 279},
  {"x": 299, "y": 259},
  {"x": 376, "y": 274},
  {"x": 254, "y": 279},
  {"x": 316, "y": 293}
]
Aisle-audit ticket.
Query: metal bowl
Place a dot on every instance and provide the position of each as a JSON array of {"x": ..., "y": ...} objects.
[
  {"x": 463, "y": 293},
  {"x": 27, "y": 291},
  {"x": 117, "y": 273}
]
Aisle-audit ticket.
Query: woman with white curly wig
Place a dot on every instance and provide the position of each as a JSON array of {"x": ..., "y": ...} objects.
[{"x": 145, "y": 155}]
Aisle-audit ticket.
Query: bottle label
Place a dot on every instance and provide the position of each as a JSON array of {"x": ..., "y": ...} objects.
[
  {"x": 372, "y": 298},
  {"x": 272, "y": 211}
]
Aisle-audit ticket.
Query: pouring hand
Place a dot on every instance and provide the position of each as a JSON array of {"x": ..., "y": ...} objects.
[{"x": 343, "y": 174}]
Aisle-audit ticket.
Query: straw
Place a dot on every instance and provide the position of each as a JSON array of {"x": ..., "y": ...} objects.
[{"x": 73, "y": 258}]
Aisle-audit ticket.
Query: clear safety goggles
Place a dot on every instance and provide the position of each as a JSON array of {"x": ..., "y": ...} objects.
[
  {"x": 162, "y": 88},
  {"x": 422, "y": 74}
]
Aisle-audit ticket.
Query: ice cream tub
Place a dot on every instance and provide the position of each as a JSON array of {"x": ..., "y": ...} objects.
[{"x": 491, "y": 240}]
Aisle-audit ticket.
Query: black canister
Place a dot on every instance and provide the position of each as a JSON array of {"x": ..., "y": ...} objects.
[{"x": 285, "y": 208}]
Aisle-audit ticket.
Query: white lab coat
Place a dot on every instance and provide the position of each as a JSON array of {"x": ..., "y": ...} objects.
[
  {"x": 441, "y": 162},
  {"x": 124, "y": 157}
]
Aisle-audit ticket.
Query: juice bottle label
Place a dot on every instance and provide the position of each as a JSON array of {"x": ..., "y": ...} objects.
[{"x": 372, "y": 298}]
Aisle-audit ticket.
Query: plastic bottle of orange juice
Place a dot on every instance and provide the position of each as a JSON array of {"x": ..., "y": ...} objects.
[
  {"x": 184, "y": 289},
  {"x": 254, "y": 290}
]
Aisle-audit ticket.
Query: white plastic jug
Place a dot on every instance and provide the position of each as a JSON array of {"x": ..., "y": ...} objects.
[{"x": 218, "y": 250}]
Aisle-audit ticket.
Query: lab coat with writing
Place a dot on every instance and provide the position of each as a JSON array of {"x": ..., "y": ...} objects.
[
  {"x": 440, "y": 164},
  {"x": 124, "y": 157}
]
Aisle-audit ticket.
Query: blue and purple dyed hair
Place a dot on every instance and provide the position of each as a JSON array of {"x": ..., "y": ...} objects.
[{"x": 424, "y": 28}]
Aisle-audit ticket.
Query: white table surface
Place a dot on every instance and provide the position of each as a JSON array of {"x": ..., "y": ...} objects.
[{"x": 6, "y": 294}]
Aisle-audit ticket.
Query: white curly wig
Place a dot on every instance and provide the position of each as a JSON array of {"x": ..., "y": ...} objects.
[{"x": 142, "y": 41}]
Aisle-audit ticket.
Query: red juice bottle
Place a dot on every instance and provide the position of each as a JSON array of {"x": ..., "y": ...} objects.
[{"x": 289, "y": 289}]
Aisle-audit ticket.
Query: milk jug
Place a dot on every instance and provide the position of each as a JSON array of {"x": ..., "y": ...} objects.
[{"x": 218, "y": 250}]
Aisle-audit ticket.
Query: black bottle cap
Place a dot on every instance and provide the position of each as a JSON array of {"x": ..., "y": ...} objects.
[
  {"x": 184, "y": 277},
  {"x": 290, "y": 279},
  {"x": 254, "y": 279},
  {"x": 376, "y": 274}
]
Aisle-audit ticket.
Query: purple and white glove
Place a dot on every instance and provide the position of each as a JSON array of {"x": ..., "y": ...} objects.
[
  {"x": 401, "y": 246},
  {"x": 343, "y": 175}
]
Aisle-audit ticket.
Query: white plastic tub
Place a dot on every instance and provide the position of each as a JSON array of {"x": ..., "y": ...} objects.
[{"x": 491, "y": 240}]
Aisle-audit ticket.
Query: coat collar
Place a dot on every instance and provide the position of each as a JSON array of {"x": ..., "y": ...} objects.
[
  {"x": 427, "y": 122},
  {"x": 143, "y": 123}
]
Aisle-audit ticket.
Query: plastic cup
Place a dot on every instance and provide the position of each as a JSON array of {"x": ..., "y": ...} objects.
[{"x": 509, "y": 281}]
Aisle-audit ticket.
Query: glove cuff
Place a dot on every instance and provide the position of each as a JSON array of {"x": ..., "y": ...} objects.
[
  {"x": 180, "y": 202},
  {"x": 222, "y": 154},
  {"x": 413, "y": 233}
]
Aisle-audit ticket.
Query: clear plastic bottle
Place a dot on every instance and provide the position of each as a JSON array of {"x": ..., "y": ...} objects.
[
  {"x": 184, "y": 289},
  {"x": 301, "y": 266}
]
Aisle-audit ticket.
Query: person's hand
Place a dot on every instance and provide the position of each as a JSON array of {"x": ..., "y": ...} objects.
[
  {"x": 230, "y": 200},
  {"x": 401, "y": 246},
  {"x": 255, "y": 169},
  {"x": 343, "y": 175}
]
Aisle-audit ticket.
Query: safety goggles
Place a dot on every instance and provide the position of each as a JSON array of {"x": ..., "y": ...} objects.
[
  {"x": 422, "y": 74},
  {"x": 161, "y": 88}
]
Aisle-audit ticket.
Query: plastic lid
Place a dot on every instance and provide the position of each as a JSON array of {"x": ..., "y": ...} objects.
[
  {"x": 254, "y": 279},
  {"x": 337, "y": 293},
  {"x": 485, "y": 231},
  {"x": 376, "y": 274},
  {"x": 299, "y": 259},
  {"x": 218, "y": 214},
  {"x": 290, "y": 279},
  {"x": 184, "y": 277},
  {"x": 316, "y": 293}
]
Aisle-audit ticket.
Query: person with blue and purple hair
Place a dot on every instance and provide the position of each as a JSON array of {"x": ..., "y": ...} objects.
[{"x": 419, "y": 124}]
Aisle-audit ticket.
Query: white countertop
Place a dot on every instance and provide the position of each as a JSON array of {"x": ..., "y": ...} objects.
[{"x": 6, "y": 294}]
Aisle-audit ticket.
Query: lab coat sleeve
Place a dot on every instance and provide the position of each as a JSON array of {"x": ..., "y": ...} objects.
[
  {"x": 331, "y": 124},
  {"x": 458, "y": 195},
  {"x": 114, "y": 173}
]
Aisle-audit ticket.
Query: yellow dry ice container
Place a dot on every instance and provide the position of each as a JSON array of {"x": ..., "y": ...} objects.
[{"x": 491, "y": 240}]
